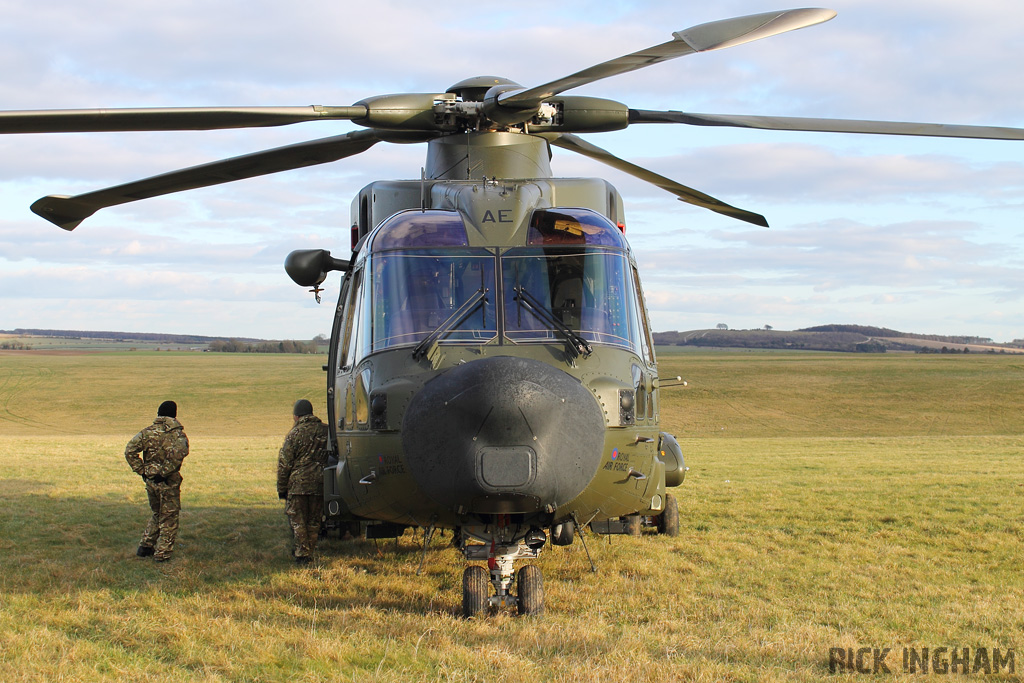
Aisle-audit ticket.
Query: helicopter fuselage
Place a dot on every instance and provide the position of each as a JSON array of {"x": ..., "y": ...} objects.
[{"x": 491, "y": 356}]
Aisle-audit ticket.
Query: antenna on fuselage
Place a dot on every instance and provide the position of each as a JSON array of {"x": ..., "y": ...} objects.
[{"x": 423, "y": 188}]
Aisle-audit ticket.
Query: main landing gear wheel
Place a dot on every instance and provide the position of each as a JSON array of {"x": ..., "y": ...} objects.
[
  {"x": 562, "y": 534},
  {"x": 633, "y": 523},
  {"x": 530, "y": 601},
  {"x": 476, "y": 587},
  {"x": 668, "y": 520}
]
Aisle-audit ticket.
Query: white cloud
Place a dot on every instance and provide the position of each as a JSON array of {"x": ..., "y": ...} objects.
[{"x": 860, "y": 224}]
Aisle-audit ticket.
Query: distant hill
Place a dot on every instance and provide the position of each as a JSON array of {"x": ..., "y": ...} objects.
[
  {"x": 885, "y": 333},
  {"x": 844, "y": 338},
  {"x": 155, "y": 337}
]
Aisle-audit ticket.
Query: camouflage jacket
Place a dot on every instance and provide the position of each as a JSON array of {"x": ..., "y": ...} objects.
[
  {"x": 158, "y": 450},
  {"x": 300, "y": 465}
]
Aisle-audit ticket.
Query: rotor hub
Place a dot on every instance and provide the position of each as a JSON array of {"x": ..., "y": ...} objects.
[{"x": 474, "y": 89}]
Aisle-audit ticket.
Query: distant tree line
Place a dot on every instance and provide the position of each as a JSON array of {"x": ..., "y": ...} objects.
[
  {"x": 946, "y": 349},
  {"x": 286, "y": 346},
  {"x": 15, "y": 346},
  {"x": 866, "y": 330}
]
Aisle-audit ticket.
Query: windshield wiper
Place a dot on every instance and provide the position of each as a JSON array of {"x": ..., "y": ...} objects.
[
  {"x": 575, "y": 345},
  {"x": 453, "y": 321}
]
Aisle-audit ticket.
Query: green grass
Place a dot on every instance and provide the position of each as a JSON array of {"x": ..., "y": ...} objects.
[
  {"x": 848, "y": 502},
  {"x": 110, "y": 393},
  {"x": 770, "y": 395}
]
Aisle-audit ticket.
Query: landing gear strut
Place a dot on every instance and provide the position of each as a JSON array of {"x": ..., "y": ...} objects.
[{"x": 501, "y": 547}]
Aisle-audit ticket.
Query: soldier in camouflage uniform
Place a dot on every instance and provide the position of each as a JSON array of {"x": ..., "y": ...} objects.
[
  {"x": 300, "y": 478},
  {"x": 156, "y": 454}
]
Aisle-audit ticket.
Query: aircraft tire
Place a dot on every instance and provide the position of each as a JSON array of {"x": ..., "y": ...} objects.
[
  {"x": 633, "y": 523},
  {"x": 531, "y": 591},
  {"x": 563, "y": 534},
  {"x": 668, "y": 520},
  {"x": 476, "y": 586}
]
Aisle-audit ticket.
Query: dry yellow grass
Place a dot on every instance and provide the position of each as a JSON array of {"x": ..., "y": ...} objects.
[{"x": 831, "y": 527}]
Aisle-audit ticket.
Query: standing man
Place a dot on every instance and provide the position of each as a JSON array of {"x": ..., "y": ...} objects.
[
  {"x": 300, "y": 478},
  {"x": 156, "y": 454}
]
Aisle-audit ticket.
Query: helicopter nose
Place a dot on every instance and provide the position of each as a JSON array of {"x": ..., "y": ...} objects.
[{"x": 503, "y": 435}]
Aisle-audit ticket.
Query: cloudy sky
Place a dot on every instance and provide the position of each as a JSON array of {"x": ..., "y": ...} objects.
[{"x": 921, "y": 235}]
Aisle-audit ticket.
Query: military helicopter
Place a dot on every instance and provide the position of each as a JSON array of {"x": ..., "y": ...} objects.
[{"x": 491, "y": 367}]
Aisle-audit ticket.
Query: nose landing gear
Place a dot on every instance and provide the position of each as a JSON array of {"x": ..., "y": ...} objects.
[{"x": 501, "y": 548}]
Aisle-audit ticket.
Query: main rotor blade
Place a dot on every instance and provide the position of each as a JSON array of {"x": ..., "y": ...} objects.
[
  {"x": 68, "y": 212},
  {"x": 167, "y": 118},
  {"x": 795, "y": 123},
  {"x": 715, "y": 35},
  {"x": 685, "y": 194}
]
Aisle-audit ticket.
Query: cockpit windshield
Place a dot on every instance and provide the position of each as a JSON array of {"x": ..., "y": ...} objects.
[
  {"x": 416, "y": 291},
  {"x": 577, "y": 269},
  {"x": 421, "y": 274},
  {"x": 572, "y": 281},
  {"x": 588, "y": 290}
]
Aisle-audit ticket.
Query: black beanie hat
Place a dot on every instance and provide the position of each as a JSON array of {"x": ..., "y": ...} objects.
[
  {"x": 302, "y": 407},
  {"x": 167, "y": 409}
]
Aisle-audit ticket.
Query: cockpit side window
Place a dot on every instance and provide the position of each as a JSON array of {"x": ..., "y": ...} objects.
[
  {"x": 646, "y": 339},
  {"x": 347, "y": 340}
]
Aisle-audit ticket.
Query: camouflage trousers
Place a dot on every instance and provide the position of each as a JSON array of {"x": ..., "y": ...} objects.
[
  {"x": 165, "y": 501},
  {"x": 304, "y": 514}
]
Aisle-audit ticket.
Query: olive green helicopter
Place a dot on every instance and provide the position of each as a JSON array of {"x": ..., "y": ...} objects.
[{"x": 491, "y": 366}]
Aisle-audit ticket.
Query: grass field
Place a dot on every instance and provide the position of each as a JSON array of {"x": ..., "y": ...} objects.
[
  {"x": 78, "y": 344},
  {"x": 833, "y": 502}
]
